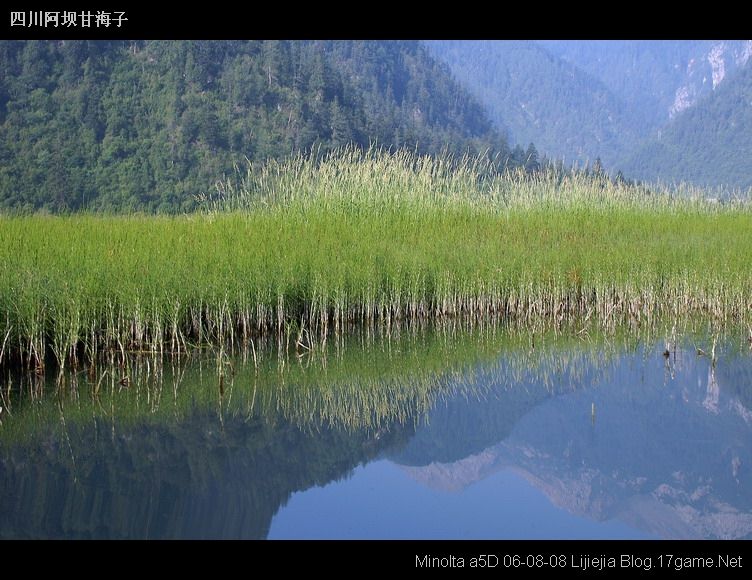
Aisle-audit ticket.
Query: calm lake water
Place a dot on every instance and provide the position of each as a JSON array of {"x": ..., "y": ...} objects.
[{"x": 454, "y": 434}]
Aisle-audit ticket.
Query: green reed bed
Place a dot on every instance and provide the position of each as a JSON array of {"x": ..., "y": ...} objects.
[{"x": 302, "y": 248}]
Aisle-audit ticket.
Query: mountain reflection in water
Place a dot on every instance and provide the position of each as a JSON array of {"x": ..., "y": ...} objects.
[{"x": 605, "y": 431}]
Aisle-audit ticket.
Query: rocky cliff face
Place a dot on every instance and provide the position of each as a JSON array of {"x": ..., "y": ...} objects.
[{"x": 705, "y": 72}]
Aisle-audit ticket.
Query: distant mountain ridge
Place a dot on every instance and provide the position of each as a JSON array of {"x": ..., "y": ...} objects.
[
  {"x": 657, "y": 110},
  {"x": 657, "y": 78},
  {"x": 538, "y": 97},
  {"x": 708, "y": 144},
  {"x": 690, "y": 100}
]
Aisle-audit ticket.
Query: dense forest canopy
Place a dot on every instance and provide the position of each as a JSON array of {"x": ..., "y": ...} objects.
[{"x": 148, "y": 125}]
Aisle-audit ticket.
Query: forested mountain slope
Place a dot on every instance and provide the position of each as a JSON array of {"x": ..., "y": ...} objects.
[
  {"x": 539, "y": 97},
  {"x": 147, "y": 125}
]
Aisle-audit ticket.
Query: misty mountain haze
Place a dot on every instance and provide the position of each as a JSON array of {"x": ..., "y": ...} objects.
[{"x": 654, "y": 109}]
